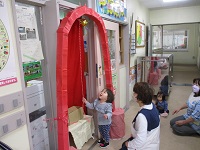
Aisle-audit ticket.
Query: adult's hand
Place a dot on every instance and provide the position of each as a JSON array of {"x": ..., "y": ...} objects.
[
  {"x": 180, "y": 122},
  {"x": 176, "y": 111},
  {"x": 182, "y": 107}
]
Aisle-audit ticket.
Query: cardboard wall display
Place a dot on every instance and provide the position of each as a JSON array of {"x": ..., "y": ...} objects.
[
  {"x": 81, "y": 131},
  {"x": 75, "y": 113}
]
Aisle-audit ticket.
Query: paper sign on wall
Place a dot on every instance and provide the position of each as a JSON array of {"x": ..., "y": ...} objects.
[
  {"x": 30, "y": 44},
  {"x": 7, "y": 59},
  {"x": 31, "y": 50}
]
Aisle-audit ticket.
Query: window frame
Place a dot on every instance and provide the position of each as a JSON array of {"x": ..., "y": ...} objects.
[{"x": 173, "y": 45}]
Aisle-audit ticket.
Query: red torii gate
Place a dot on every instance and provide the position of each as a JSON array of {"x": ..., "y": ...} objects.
[{"x": 62, "y": 64}]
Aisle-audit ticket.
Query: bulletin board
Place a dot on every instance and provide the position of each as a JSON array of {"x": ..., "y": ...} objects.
[
  {"x": 30, "y": 45},
  {"x": 132, "y": 44}
]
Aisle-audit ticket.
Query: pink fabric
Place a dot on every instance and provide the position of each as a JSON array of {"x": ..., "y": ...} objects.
[
  {"x": 159, "y": 73},
  {"x": 153, "y": 78},
  {"x": 117, "y": 129}
]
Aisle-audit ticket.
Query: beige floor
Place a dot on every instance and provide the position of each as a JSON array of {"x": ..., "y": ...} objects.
[{"x": 178, "y": 95}]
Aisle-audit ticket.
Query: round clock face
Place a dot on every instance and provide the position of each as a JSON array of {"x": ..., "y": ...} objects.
[{"x": 4, "y": 46}]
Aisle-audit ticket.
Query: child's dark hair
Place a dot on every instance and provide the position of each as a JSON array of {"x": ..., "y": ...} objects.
[
  {"x": 161, "y": 93},
  {"x": 110, "y": 97},
  {"x": 165, "y": 80}
]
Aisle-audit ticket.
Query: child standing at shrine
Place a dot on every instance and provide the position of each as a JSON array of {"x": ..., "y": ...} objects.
[{"x": 103, "y": 106}]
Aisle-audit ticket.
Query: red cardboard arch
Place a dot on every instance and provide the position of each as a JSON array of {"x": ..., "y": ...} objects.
[{"x": 62, "y": 66}]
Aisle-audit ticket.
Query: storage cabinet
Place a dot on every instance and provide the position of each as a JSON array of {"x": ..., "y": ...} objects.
[
  {"x": 157, "y": 70},
  {"x": 37, "y": 115}
]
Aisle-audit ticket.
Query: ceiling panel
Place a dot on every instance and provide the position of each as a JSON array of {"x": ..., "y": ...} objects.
[{"x": 159, "y": 4}]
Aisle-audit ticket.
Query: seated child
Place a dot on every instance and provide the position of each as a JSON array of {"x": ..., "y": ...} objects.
[{"x": 161, "y": 104}]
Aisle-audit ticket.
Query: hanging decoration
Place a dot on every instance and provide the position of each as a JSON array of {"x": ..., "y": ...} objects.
[{"x": 84, "y": 22}]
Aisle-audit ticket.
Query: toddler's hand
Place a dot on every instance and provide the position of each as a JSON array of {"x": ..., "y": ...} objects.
[
  {"x": 84, "y": 100},
  {"x": 105, "y": 116}
]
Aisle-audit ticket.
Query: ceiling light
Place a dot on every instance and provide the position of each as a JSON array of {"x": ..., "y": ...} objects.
[{"x": 172, "y": 0}]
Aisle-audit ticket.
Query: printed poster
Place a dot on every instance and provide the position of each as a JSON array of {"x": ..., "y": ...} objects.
[
  {"x": 140, "y": 35},
  {"x": 31, "y": 46},
  {"x": 115, "y": 9},
  {"x": 7, "y": 59},
  {"x": 114, "y": 80}
]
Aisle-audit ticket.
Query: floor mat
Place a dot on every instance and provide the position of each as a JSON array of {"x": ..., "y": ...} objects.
[{"x": 182, "y": 84}]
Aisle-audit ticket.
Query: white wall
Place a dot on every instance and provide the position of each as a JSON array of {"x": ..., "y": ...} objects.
[
  {"x": 175, "y": 15},
  {"x": 122, "y": 88},
  {"x": 198, "y": 56},
  {"x": 179, "y": 16},
  {"x": 188, "y": 57},
  {"x": 140, "y": 13}
]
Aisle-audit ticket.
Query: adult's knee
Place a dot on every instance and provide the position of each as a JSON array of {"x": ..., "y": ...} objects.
[
  {"x": 172, "y": 122},
  {"x": 176, "y": 129},
  {"x": 179, "y": 131}
]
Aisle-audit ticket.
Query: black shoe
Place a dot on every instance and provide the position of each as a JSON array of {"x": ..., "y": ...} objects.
[
  {"x": 104, "y": 145},
  {"x": 100, "y": 141}
]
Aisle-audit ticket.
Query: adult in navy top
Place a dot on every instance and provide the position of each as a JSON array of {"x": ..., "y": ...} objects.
[{"x": 145, "y": 128}]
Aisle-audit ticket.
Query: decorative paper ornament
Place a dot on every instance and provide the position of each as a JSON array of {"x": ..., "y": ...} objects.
[{"x": 84, "y": 22}]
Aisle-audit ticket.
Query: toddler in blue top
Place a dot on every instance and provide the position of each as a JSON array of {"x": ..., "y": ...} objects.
[
  {"x": 103, "y": 106},
  {"x": 161, "y": 104}
]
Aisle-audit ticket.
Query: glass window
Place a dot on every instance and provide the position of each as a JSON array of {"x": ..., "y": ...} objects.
[
  {"x": 77, "y": 2},
  {"x": 175, "y": 40},
  {"x": 73, "y": 1},
  {"x": 157, "y": 37},
  {"x": 169, "y": 38},
  {"x": 63, "y": 12}
]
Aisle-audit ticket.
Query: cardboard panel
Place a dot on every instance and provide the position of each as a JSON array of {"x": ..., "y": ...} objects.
[{"x": 75, "y": 113}]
